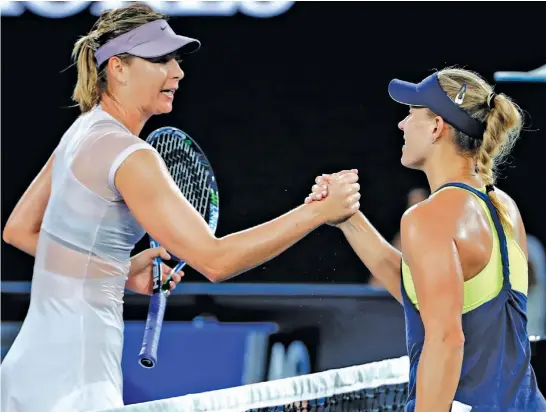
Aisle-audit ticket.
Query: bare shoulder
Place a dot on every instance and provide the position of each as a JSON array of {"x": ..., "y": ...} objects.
[
  {"x": 441, "y": 215},
  {"x": 425, "y": 220},
  {"x": 455, "y": 209},
  {"x": 439, "y": 209},
  {"x": 455, "y": 203}
]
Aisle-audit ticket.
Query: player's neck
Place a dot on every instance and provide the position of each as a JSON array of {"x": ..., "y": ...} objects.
[
  {"x": 454, "y": 169},
  {"x": 132, "y": 118}
]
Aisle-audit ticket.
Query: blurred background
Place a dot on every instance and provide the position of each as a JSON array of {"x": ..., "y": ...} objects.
[{"x": 279, "y": 93}]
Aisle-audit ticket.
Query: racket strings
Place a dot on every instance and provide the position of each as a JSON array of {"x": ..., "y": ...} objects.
[{"x": 187, "y": 169}]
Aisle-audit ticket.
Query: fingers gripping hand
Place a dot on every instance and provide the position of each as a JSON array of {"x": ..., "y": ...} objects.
[
  {"x": 319, "y": 190},
  {"x": 343, "y": 198},
  {"x": 176, "y": 277}
]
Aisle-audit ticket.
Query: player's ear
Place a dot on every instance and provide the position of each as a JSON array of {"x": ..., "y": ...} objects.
[{"x": 439, "y": 128}]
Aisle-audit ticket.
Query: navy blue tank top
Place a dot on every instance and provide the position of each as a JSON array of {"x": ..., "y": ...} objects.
[{"x": 496, "y": 374}]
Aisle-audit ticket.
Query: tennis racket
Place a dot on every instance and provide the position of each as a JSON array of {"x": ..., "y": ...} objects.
[{"x": 192, "y": 173}]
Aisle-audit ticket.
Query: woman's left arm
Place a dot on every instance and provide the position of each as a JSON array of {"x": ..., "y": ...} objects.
[{"x": 430, "y": 251}]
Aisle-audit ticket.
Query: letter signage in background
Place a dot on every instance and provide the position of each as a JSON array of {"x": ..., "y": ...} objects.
[
  {"x": 62, "y": 9},
  {"x": 287, "y": 363}
]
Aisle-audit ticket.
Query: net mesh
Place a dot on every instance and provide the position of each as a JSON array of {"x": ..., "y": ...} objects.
[{"x": 377, "y": 386}]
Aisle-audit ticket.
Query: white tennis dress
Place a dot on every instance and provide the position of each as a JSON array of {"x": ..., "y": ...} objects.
[{"x": 67, "y": 356}]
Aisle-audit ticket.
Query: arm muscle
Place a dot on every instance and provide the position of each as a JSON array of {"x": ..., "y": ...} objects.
[{"x": 23, "y": 226}]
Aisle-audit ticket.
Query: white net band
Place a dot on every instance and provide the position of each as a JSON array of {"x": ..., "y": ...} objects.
[{"x": 284, "y": 391}]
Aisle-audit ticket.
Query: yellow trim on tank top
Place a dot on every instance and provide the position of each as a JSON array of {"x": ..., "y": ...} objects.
[{"x": 488, "y": 283}]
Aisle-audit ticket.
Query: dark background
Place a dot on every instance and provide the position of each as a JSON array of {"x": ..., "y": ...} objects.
[{"x": 274, "y": 102}]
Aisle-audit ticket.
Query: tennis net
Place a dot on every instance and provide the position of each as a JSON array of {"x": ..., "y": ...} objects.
[{"x": 376, "y": 386}]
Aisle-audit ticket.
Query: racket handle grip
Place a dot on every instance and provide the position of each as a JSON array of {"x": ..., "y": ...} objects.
[{"x": 148, "y": 353}]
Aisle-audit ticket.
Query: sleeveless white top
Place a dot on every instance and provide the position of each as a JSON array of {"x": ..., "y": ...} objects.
[{"x": 67, "y": 356}]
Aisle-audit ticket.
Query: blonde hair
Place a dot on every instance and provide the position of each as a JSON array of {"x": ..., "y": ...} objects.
[
  {"x": 503, "y": 119},
  {"x": 92, "y": 80}
]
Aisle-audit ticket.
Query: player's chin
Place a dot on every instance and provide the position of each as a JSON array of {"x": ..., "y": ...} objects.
[
  {"x": 164, "y": 103},
  {"x": 164, "y": 108},
  {"x": 408, "y": 161}
]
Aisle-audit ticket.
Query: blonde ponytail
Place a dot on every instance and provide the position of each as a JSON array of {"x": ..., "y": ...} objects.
[
  {"x": 503, "y": 125},
  {"x": 503, "y": 119},
  {"x": 112, "y": 23},
  {"x": 86, "y": 93}
]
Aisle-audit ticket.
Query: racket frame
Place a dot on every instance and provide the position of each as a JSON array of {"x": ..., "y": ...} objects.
[{"x": 156, "y": 311}]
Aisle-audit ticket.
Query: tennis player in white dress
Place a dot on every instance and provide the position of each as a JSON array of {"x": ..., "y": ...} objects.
[{"x": 101, "y": 190}]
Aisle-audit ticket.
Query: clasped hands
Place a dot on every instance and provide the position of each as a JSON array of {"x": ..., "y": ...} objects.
[{"x": 338, "y": 194}]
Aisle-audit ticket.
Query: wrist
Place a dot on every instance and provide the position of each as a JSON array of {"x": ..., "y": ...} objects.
[
  {"x": 350, "y": 223},
  {"x": 315, "y": 213}
]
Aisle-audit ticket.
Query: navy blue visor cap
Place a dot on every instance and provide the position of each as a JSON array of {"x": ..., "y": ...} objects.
[{"x": 428, "y": 93}]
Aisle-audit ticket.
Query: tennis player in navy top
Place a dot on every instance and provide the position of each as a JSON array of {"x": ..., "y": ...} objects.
[{"x": 462, "y": 273}]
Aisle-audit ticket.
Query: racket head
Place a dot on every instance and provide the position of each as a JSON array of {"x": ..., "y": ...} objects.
[{"x": 191, "y": 171}]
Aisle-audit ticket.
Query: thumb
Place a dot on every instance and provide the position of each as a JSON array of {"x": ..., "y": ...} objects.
[{"x": 344, "y": 172}]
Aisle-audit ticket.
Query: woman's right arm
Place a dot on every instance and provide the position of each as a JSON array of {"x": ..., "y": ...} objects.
[
  {"x": 157, "y": 203},
  {"x": 378, "y": 255},
  {"x": 22, "y": 229}
]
